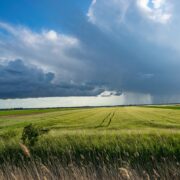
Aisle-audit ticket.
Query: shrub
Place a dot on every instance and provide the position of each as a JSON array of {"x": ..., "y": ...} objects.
[{"x": 31, "y": 134}]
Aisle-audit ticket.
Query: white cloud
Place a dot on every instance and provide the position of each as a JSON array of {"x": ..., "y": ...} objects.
[
  {"x": 90, "y": 13},
  {"x": 110, "y": 93},
  {"x": 47, "y": 49},
  {"x": 157, "y": 3},
  {"x": 51, "y": 35},
  {"x": 100, "y": 11},
  {"x": 143, "y": 18},
  {"x": 156, "y": 10}
]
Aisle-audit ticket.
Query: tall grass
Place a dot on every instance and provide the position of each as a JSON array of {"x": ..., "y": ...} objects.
[
  {"x": 83, "y": 156},
  {"x": 55, "y": 170}
]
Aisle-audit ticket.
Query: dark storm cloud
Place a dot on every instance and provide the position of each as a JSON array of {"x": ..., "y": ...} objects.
[{"x": 20, "y": 80}]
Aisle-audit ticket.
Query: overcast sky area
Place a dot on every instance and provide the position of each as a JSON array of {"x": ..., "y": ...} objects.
[{"x": 128, "y": 49}]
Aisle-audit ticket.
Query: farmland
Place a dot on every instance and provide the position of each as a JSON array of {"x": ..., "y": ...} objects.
[{"x": 139, "y": 138}]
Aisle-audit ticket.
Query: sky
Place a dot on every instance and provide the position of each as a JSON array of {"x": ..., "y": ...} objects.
[{"x": 65, "y": 48}]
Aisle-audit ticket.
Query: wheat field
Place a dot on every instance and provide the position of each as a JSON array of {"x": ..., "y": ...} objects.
[{"x": 131, "y": 142}]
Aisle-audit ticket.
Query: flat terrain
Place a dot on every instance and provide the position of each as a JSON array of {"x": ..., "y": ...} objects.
[
  {"x": 121, "y": 119},
  {"x": 146, "y": 137}
]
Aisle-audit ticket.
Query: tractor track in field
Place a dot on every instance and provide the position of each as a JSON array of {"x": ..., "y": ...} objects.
[
  {"x": 110, "y": 119},
  {"x": 100, "y": 125},
  {"x": 107, "y": 119}
]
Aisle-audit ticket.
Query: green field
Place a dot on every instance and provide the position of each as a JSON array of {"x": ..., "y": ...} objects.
[
  {"x": 95, "y": 119},
  {"x": 143, "y": 137}
]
